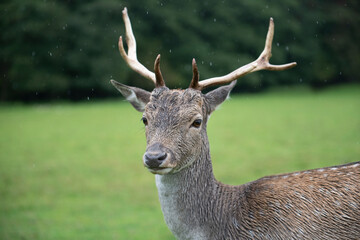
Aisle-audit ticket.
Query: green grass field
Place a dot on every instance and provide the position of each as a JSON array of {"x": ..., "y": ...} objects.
[{"x": 75, "y": 171}]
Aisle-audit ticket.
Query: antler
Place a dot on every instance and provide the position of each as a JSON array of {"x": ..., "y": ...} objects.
[
  {"x": 262, "y": 63},
  {"x": 131, "y": 57}
]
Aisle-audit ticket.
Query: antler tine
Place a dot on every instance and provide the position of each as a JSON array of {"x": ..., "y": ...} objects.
[
  {"x": 131, "y": 57},
  {"x": 195, "y": 80},
  {"x": 159, "y": 79},
  {"x": 263, "y": 60},
  {"x": 262, "y": 63}
]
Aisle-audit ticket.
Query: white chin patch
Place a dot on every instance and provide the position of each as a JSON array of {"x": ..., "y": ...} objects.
[{"x": 161, "y": 171}]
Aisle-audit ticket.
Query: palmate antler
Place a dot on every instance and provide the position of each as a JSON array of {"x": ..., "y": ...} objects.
[{"x": 262, "y": 63}]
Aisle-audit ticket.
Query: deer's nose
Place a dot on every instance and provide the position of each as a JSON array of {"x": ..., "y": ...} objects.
[{"x": 154, "y": 159}]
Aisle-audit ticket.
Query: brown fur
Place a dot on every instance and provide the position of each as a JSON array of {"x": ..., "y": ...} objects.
[{"x": 315, "y": 204}]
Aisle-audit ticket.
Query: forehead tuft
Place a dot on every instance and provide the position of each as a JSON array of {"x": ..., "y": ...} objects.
[{"x": 175, "y": 98}]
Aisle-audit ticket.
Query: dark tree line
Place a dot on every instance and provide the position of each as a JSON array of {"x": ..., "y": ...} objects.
[{"x": 67, "y": 49}]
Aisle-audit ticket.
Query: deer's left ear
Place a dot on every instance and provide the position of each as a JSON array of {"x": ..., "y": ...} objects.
[
  {"x": 136, "y": 96},
  {"x": 218, "y": 96}
]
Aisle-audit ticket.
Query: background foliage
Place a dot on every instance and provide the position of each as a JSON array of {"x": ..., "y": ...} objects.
[{"x": 55, "y": 49}]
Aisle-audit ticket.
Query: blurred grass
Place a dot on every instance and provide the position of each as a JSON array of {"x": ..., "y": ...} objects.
[{"x": 75, "y": 171}]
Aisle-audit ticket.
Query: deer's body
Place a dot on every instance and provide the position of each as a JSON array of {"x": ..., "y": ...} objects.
[
  {"x": 315, "y": 204},
  {"x": 301, "y": 205}
]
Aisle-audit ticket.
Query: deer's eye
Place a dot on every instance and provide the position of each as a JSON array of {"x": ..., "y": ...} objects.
[
  {"x": 144, "y": 120},
  {"x": 196, "y": 123}
]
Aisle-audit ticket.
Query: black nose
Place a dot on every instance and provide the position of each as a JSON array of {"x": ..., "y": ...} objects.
[{"x": 154, "y": 159}]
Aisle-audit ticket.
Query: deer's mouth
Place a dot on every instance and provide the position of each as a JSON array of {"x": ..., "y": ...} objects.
[{"x": 160, "y": 170}]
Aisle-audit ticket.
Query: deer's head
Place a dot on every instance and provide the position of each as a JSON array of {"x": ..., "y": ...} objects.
[{"x": 175, "y": 120}]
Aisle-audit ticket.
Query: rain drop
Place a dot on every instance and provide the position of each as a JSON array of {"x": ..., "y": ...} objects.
[
  {"x": 214, "y": 19},
  {"x": 277, "y": 44},
  {"x": 210, "y": 64}
]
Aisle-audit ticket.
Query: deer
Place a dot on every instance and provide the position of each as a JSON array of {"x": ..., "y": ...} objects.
[{"x": 320, "y": 203}]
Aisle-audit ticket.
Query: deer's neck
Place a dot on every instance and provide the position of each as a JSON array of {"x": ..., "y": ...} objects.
[{"x": 190, "y": 199}]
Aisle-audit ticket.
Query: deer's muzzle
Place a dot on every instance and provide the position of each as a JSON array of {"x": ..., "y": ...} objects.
[{"x": 156, "y": 159}]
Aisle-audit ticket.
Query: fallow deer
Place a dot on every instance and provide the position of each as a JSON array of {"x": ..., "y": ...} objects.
[{"x": 315, "y": 204}]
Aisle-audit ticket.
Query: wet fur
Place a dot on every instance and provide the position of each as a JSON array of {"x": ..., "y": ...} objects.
[{"x": 315, "y": 204}]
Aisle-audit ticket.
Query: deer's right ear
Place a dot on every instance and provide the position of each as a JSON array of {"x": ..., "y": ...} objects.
[{"x": 136, "y": 96}]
